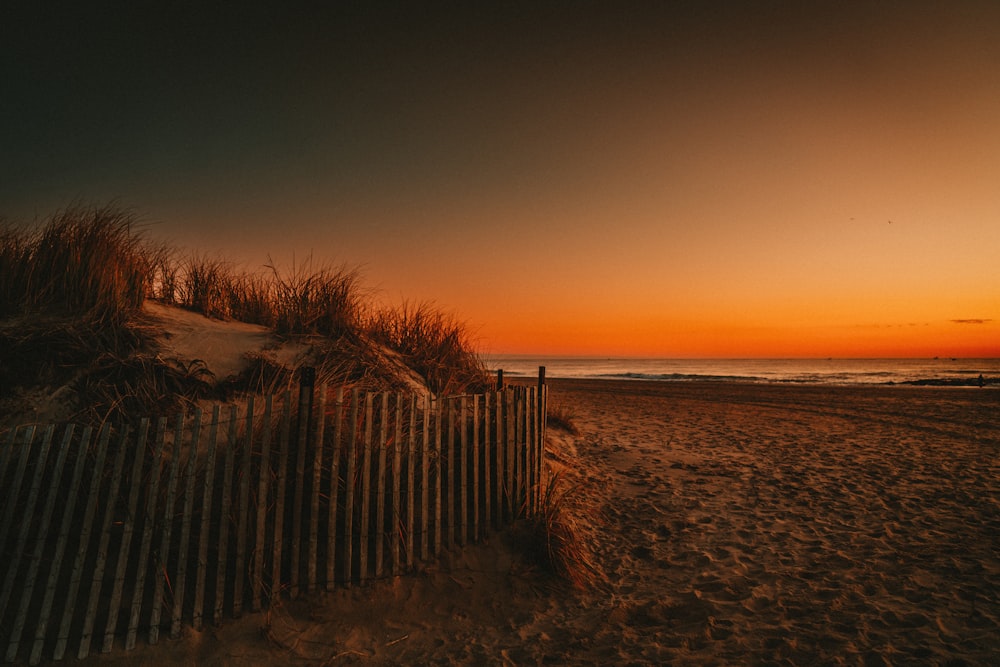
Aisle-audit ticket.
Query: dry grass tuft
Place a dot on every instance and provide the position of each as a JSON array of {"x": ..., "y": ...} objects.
[
  {"x": 557, "y": 537},
  {"x": 87, "y": 262},
  {"x": 434, "y": 344},
  {"x": 561, "y": 417}
]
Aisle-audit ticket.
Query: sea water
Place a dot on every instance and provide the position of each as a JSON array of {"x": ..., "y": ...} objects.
[{"x": 938, "y": 371}]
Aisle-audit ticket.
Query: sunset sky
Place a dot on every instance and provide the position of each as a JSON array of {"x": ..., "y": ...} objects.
[{"x": 697, "y": 179}]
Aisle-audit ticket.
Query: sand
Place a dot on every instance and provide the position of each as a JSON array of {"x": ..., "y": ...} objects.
[{"x": 742, "y": 524}]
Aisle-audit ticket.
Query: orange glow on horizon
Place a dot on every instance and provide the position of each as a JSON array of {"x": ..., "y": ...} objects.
[{"x": 947, "y": 339}]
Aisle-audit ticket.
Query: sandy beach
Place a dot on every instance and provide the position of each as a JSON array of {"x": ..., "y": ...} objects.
[{"x": 735, "y": 524}]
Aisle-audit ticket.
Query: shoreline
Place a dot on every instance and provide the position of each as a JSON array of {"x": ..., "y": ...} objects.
[
  {"x": 988, "y": 382},
  {"x": 917, "y": 371}
]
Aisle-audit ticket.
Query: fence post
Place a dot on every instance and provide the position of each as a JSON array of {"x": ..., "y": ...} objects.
[
  {"x": 147, "y": 534},
  {"x": 382, "y": 443},
  {"x": 499, "y": 379},
  {"x": 307, "y": 379},
  {"x": 128, "y": 530},
  {"x": 242, "y": 529},
  {"x": 397, "y": 458},
  {"x": 102, "y": 550},
  {"x": 198, "y": 616},
  {"x": 64, "y": 531},
  {"x": 76, "y": 575},
  {"x": 318, "y": 443},
  {"x": 36, "y": 558},
  {"x": 338, "y": 418},
  {"x": 278, "y": 534},
  {"x": 183, "y": 555},
  {"x": 168, "y": 521},
  {"x": 542, "y": 412},
  {"x": 366, "y": 486},
  {"x": 411, "y": 442},
  {"x": 224, "y": 520},
  {"x": 475, "y": 468},
  {"x": 25, "y": 523},
  {"x": 262, "y": 505},
  {"x": 352, "y": 444},
  {"x": 424, "y": 483},
  {"x": 451, "y": 488}
]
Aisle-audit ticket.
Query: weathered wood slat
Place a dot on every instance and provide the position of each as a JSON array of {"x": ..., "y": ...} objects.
[
  {"x": 205, "y": 523},
  {"x": 40, "y": 538},
  {"x": 397, "y": 447},
  {"x": 526, "y": 471},
  {"x": 317, "y": 471},
  {"x": 183, "y": 555},
  {"x": 519, "y": 454},
  {"x": 262, "y": 507},
  {"x": 532, "y": 451},
  {"x": 167, "y": 532},
  {"x": 97, "y": 580},
  {"x": 147, "y": 534},
  {"x": 411, "y": 455},
  {"x": 366, "y": 489},
  {"x": 338, "y": 417},
  {"x": 225, "y": 519},
  {"x": 6, "y": 453},
  {"x": 382, "y": 444},
  {"x": 487, "y": 463},
  {"x": 510, "y": 431},
  {"x": 349, "y": 491},
  {"x": 500, "y": 448},
  {"x": 462, "y": 461},
  {"x": 438, "y": 482},
  {"x": 243, "y": 509},
  {"x": 57, "y": 557},
  {"x": 450, "y": 488},
  {"x": 25, "y": 523},
  {"x": 128, "y": 530},
  {"x": 76, "y": 574},
  {"x": 279, "y": 496},
  {"x": 15, "y": 487},
  {"x": 544, "y": 411},
  {"x": 529, "y": 450},
  {"x": 475, "y": 468},
  {"x": 295, "y": 558},
  {"x": 424, "y": 481}
]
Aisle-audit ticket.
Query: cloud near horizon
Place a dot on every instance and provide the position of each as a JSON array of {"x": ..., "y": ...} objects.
[{"x": 972, "y": 321}]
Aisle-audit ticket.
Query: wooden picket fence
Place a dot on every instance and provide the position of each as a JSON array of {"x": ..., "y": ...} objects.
[{"x": 109, "y": 533}]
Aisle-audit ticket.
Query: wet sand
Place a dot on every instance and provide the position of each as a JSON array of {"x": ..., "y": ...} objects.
[{"x": 742, "y": 524}]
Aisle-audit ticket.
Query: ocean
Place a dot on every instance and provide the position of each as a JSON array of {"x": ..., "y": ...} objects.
[{"x": 932, "y": 372}]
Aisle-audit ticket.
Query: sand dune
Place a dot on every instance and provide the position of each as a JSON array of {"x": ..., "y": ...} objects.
[{"x": 743, "y": 525}]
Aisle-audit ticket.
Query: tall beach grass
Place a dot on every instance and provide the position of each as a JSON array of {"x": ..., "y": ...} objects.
[{"x": 71, "y": 312}]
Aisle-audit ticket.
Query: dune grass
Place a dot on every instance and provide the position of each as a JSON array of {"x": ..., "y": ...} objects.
[
  {"x": 557, "y": 537},
  {"x": 561, "y": 416},
  {"x": 433, "y": 343},
  {"x": 71, "y": 296},
  {"x": 85, "y": 262}
]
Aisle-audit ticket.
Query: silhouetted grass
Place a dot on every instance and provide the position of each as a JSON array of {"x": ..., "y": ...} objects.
[
  {"x": 71, "y": 296},
  {"x": 434, "y": 344},
  {"x": 85, "y": 262},
  {"x": 556, "y": 537},
  {"x": 561, "y": 417}
]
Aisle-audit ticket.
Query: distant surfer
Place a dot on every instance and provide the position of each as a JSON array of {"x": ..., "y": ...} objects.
[{"x": 982, "y": 381}]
